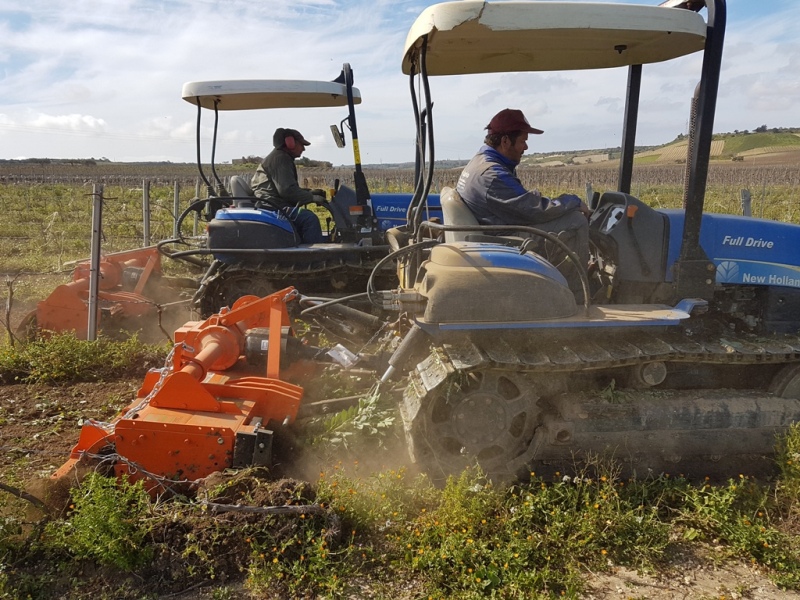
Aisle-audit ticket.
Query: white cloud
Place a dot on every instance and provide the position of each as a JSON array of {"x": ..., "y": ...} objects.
[
  {"x": 110, "y": 73},
  {"x": 73, "y": 122}
]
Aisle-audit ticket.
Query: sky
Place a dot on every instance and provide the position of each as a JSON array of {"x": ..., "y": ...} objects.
[{"x": 103, "y": 79}]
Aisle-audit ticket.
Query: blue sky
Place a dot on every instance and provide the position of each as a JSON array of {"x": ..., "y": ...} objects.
[{"x": 96, "y": 78}]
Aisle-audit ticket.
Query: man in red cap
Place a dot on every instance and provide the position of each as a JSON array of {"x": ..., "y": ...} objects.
[
  {"x": 491, "y": 189},
  {"x": 276, "y": 180}
]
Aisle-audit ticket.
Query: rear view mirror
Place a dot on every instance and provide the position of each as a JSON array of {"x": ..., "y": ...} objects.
[{"x": 338, "y": 137}]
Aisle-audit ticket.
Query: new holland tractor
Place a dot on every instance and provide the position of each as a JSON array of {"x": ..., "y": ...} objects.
[
  {"x": 254, "y": 248},
  {"x": 697, "y": 313}
]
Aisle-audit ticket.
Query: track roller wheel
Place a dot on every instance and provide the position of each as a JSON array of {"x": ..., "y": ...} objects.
[
  {"x": 786, "y": 383},
  {"x": 28, "y": 328},
  {"x": 484, "y": 416}
]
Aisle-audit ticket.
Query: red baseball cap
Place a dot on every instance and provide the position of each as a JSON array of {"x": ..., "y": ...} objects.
[{"x": 508, "y": 120}]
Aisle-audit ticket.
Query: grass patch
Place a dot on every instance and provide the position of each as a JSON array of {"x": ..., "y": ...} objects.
[
  {"x": 62, "y": 358},
  {"x": 393, "y": 531},
  {"x": 109, "y": 523},
  {"x": 646, "y": 160},
  {"x": 741, "y": 143}
]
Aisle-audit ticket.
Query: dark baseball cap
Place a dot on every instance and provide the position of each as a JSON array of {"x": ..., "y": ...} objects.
[
  {"x": 509, "y": 120},
  {"x": 281, "y": 133}
]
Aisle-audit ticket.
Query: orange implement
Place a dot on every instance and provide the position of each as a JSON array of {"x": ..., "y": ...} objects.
[
  {"x": 206, "y": 410},
  {"x": 121, "y": 285}
]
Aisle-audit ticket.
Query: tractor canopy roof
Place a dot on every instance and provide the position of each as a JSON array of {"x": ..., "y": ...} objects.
[
  {"x": 250, "y": 94},
  {"x": 472, "y": 36}
]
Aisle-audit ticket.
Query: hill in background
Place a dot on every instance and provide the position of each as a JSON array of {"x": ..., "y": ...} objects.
[
  {"x": 778, "y": 145},
  {"x": 736, "y": 146}
]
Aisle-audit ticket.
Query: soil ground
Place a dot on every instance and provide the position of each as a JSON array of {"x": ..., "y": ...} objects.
[{"x": 42, "y": 424}]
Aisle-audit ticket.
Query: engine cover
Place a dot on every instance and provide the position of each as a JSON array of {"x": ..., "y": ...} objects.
[
  {"x": 249, "y": 228},
  {"x": 484, "y": 282}
]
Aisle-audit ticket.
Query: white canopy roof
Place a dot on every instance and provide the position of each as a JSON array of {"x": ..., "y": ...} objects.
[
  {"x": 249, "y": 94},
  {"x": 472, "y": 36}
]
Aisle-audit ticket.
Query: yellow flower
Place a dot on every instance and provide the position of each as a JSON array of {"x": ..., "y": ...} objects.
[{"x": 603, "y": 552}]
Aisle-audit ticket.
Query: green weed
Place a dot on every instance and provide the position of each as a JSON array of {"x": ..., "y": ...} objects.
[
  {"x": 367, "y": 423},
  {"x": 109, "y": 523},
  {"x": 62, "y": 358},
  {"x": 530, "y": 541},
  {"x": 742, "y": 516}
]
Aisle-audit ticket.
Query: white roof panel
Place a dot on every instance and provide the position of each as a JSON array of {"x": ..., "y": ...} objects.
[
  {"x": 250, "y": 94},
  {"x": 472, "y": 36}
]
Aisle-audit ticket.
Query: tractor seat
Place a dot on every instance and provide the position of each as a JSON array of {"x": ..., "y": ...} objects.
[
  {"x": 455, "y": 212},
  {"x": 241, "y": 191}
]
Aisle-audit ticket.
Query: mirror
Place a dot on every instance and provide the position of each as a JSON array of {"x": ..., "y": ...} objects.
[{"x": 338, "y": 136}]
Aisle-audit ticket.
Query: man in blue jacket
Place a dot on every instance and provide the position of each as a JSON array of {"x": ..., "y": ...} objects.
[{"x": 491, "y": 189}]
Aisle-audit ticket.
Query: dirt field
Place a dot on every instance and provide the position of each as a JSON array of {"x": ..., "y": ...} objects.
[{"x": 42, "y": 424}]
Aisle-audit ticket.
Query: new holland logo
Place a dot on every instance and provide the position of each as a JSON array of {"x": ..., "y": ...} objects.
[{"x": 727, "y": 271}]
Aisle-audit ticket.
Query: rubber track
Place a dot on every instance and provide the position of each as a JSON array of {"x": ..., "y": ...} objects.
[
  {"x": 599, "y": 349},
  {"x": 274, "y": 277}
]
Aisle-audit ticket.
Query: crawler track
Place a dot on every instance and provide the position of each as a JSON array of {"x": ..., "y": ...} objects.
[
  {"x": 327, "y": 277},
  {"x": 519, "y": 401}
]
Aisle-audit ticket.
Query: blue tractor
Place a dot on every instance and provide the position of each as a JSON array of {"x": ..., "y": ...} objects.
[
  {"x": 683, "y": 356},
  {"x": 253, "y": 247}
]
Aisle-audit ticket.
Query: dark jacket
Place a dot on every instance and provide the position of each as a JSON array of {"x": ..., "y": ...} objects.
[
  {"x": 490, "y": 187},
  {"x": 276, "y": 179}
]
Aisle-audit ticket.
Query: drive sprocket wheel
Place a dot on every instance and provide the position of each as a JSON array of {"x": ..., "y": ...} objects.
[
  {"x": 485, "y": 416},
  {"x": 229, "y": 286}
]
